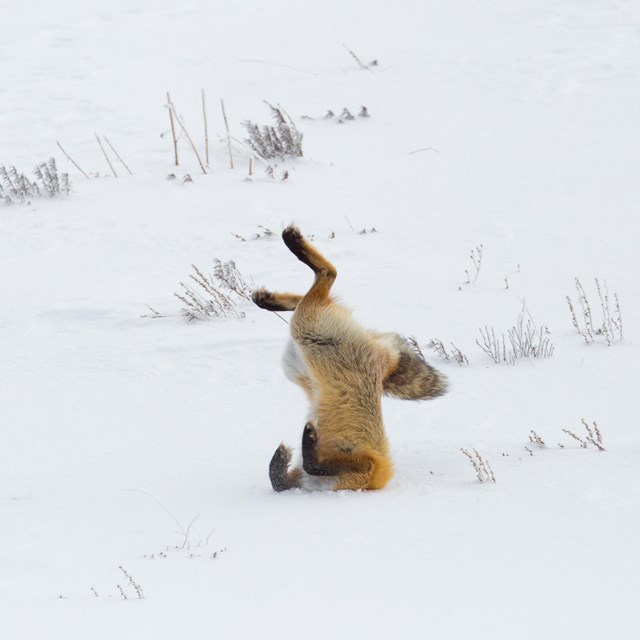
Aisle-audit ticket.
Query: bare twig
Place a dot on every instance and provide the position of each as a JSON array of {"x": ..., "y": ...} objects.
[
  {"x": 104, "y": 153},
  {"x": 226, "y": 126},
  {"x": 173, "y": 131},
  {"x": 583, "y": 444},
  {"x": 186, "y": 133},
  {"x": 73, "y": 162},
  {"x": 355, "y": 57},
  {"x": 206, "y": 128},
  {"x": 118, "y": 155},
  {"x": 349, "y": 223}
]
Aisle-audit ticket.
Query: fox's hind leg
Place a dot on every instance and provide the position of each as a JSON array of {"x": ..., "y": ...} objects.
[
  {"x": 325, "y": 272},
  {"x": 330, "y": 464},
  {"x": 279, "y": 474},
  {"x": 357, "y": 470},
  {"x": 272, "y": 301}
]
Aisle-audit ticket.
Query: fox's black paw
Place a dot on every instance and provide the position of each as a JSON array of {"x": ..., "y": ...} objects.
[
  {"x": 295, "y": 243},
  {"x": 265, "y": 300},
  {"x": 278, "y": 468},
  {"x": 292, "y": 236}
]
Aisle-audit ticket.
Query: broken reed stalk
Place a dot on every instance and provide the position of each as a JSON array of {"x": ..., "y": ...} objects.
[
  {"x": 252, "y": 153},
  {"x": 206, "y": 128},
  {"x": 186, "y": 133},
  {"x": 104, "y": 153},
  {"x": 173, "y": 129},
  {"x": 355, "y": 57},
  {"x": 124, "y": 164},
  {"x": 73, "y": 162},
  {"x": 250, "y": 166},
  {"x": 226, "y": 126}
]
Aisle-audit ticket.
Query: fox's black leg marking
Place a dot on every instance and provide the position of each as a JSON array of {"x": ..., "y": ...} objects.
[
  {"x": 296, "y": 244},
  {"x": 278, "y": 468},
  {"x": 309, "y": 461},
  {"x": 309, "y": 441},
  {"x": 267, "y": 300}
]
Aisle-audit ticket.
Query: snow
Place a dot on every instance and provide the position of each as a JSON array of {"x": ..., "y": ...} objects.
[{"x": 511, "y": 125}]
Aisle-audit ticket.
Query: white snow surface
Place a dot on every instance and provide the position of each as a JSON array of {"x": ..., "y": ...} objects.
[{"x": 508, "y": 124}]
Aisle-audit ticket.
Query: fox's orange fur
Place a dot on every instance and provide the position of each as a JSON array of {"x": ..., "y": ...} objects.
[{"x": 344, "y": 369}]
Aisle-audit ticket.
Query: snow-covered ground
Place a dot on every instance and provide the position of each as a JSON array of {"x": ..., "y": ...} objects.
[{"x": 143, "y": 443}]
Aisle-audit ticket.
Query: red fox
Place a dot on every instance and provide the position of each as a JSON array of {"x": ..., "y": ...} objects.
[{"x": 344, "y": 369}]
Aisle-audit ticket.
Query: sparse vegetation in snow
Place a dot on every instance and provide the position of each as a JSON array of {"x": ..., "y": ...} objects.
[
  {"x": 609, "y": 327},
  {"x": 216, "y": 294},
  {"x": 15, "y": 187},
  {"x": 480, "y": 464},
  {"x": 282, "y": 140},
  {"x": 524, "y": 340}
]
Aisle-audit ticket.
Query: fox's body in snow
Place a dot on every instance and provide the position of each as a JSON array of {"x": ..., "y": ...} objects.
[{"x": 344, "y": 369}]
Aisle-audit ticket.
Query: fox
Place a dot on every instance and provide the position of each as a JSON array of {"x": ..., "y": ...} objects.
[{"x": 344, "y": 370}]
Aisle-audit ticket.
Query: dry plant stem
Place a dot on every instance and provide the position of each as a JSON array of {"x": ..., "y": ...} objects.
[
  {"x": 574, "y": 319},
  {"x": 173, "y": 130},
  {"x": 606, "y": 315},
  {"x": 476, "y": 259},
  {"x": 618, "y": 321},
  {"x": 586, "y": 309},
  {"x": 439, "y": 348},
  {"x": 186, "y": 133},
  {"x": 536, "y": 439},
  {"x": 104, "y": 153},
  {"x": 275, "y": 141},
  {"x": 492, "y": 346},
  {"x": 457, "y": 355},
  {"x": 251, "y": 152},
  {"x": 132, "y": 583},
  {"x": 583, "y": 444},
  {"x": 594, "y": 436},
  {"x": 525, "y": 341},
  {"x": 226, "y": 126},
  {"x": 483, "y": 469},
  {"x": 124, "y": 164},
  {"x": 206, "y": 128},
  {"x": 73, "y": 162},
  {"x": 355, "y": 57},
  {"x": 610, "y": 327},
  {"x": 281, "y": 318},
  {"x": 415, "y": 347},
  {"x": 217, "y": 293},
  {"x": 164, "y": 506}
]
